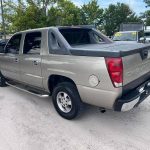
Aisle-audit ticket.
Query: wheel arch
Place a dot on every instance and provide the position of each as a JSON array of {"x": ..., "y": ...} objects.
[{"x": 54, "y": 79}]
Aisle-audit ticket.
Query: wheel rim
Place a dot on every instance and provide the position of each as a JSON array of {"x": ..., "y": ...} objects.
[{"x": 64, "y": 102}]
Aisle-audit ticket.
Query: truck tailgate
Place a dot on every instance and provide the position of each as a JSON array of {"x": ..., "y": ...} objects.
[{"x": 136, "y": 68}]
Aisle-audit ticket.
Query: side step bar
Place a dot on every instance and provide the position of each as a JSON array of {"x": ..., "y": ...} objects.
[{"x": 28, "y": 91}]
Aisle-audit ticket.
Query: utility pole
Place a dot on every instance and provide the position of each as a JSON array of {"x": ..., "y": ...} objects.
[{"x": 3, "y": 23}]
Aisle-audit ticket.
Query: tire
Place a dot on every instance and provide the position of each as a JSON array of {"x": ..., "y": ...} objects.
[
  {"x": 66, "y": 100},
  {"x": 2, "y": 81}
]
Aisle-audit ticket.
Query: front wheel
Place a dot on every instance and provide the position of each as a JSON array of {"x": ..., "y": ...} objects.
[
  {"x": 66, "y": 100},
  {"x": 2, "y": 81}
]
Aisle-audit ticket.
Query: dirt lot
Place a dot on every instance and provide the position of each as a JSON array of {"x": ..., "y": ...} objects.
[{"x": 28, "y": 122}]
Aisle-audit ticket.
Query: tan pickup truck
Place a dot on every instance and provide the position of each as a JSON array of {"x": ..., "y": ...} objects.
[{"x": 77, "y": 65}]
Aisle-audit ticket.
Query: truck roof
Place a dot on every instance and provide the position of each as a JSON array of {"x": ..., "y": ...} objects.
[
  {"x": 57, "y": 27},
  {"x": 37, "y": 29}
]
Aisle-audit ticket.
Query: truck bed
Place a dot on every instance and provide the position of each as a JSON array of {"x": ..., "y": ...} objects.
[{"x": 115, "y": 49}]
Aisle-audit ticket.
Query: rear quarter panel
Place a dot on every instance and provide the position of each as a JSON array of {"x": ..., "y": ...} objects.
[{"x": 78, "y": 68}]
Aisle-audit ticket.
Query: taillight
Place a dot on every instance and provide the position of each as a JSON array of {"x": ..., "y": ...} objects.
[{"x": 115, "y": 69}]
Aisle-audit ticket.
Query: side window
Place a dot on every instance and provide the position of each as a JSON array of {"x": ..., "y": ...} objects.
[
  {"x": 13, "y": 45},
  {"x": 32, "y": 43}
]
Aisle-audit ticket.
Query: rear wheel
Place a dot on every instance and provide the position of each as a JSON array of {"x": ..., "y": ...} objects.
[
  {"x": 66, "y": 100},
  {"x": 2, "y": 81}
]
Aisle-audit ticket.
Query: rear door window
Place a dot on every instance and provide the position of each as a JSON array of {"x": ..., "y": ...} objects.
[{"x": 32, "y": 43}]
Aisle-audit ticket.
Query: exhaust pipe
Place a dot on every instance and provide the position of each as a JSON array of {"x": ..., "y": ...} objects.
[{"x": 102, "y": 110}]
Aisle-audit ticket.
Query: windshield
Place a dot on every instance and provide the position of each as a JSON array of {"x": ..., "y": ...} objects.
[
  {"x": 125, "y": 36},
  {"x": 147, "y": 34}
]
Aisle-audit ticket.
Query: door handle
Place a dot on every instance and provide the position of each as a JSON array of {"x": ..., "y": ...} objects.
[
  {"x": 16, "y": 60},
  {"x": 35, "y": 62}
]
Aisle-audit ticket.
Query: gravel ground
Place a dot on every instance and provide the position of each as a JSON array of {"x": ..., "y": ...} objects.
[{"x": 28, "y": 122}]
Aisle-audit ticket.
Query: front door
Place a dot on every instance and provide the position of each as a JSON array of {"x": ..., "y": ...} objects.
[
  {"x": 31, "y": 60},
  {"x": 10, "y": 61}
]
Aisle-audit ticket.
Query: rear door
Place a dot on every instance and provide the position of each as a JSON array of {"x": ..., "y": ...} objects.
[
  {"x": 10, "y": 61},
  {"x": 31, "y": 59}
]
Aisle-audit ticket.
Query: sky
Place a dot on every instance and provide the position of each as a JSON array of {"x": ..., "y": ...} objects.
[{"x": 137, "y": 6}]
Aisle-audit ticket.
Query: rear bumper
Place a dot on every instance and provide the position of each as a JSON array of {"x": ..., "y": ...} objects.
[
  {"x": 98, "y": 97},
  {"x": 133, "y": 98}
]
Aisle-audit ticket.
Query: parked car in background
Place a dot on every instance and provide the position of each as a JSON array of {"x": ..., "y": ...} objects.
[
  {"x": 2, "y": 45},
  {"x": 77, "y": 65},
  {"x": 133, "y": 36},
  {"x": 130, "y": 32}
]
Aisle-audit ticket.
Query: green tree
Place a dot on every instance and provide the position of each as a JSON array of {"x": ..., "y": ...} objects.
[
  {"x": 22, "y": 15},
  {"x": 146, "y": 14},
  {"x": 146, "y": 17},
  {"x": 42, "y": 4},
  {"x": 11, "y": 10},
  {"x": 64, "y": 13},
  {"x": 147, "y": 2},
  {"x": 91, "y": 13},
  {"x": 115, "y": 15},
  {"x": 31, "y": 18}
]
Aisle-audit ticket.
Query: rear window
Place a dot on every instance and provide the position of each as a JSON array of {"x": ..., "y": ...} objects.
[{"x": 78, "y": 36}]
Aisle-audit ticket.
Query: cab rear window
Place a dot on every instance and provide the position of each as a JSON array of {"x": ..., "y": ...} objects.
[{"x": 79, "y": 36}]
